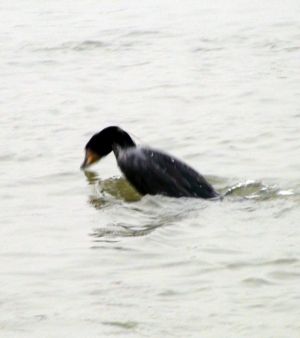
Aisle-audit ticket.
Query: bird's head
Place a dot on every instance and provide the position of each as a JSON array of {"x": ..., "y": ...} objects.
[{"x": 101, "y": 144}]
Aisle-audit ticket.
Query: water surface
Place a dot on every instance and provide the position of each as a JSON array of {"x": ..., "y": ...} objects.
[{"x": 215, "y": 84}]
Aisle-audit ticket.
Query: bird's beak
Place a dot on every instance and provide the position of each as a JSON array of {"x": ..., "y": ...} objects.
[{"x": 90, "y": 158}]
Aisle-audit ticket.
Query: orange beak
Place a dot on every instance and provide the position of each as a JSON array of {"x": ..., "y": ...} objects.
[{"x": 90, "y": 158}]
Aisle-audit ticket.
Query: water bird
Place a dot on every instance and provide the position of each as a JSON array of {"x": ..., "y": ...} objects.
[{"x": 148, "y": 170}]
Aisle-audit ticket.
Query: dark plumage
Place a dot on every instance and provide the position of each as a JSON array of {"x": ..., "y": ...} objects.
[{"x": 148, "y": 170}]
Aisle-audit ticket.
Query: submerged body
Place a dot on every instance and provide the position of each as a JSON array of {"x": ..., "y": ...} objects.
[{"x": 148, "y": 170}]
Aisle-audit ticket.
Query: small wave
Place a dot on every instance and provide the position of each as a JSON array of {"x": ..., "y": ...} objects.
[
  {"x": 254, "y": 282},
  {"x": 123, "y": 325},
  {"x": 285, "y": 193},
  {"x": 121, "y": 230},
  {"x": 76, "y": 46},
  {"x": 277, "y": 262},
  {"x": 257, "y": 191},
  {"x": 124, "y": 43},
  {"x": 285, "y": 275},
  {"x": 208, "y": 49},
  {"x": 142, "y": 33}
]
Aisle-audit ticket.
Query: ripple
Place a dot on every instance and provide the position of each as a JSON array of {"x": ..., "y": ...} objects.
[
  {"x": 124, "y": 43},
  {"x": 257, "y": 190},
  {"x": 285, "y": 275},
  {"x": 254, "y": 281},
  {"x": 119, "y": 188},
  {"x": 132, "y": 215},
  {"x": 208, "y": 49},
  {"x": 76, "y": 46},
  {"x": 124, "y": 325},
  {"x": 6, "y": 157},
  {"x": 275, "y": 262},
  {"x": 142, "y": 33},
  {"x": 121, "y": 230}
]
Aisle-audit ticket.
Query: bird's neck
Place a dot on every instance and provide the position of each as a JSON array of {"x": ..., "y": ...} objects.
[{"x": 121, "y": 141}]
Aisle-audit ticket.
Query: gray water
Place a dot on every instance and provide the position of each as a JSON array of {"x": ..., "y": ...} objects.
[{"x": 215, "y": 83}]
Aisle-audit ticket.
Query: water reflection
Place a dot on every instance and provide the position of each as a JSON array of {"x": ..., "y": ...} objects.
[{"x": 116, "y": 187}]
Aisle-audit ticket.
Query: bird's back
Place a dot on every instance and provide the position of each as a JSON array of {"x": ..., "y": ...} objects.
[{"x": 154, "y": 172}]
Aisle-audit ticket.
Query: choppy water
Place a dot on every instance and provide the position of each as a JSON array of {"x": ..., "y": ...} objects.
[{"x": 214, "y": 83}]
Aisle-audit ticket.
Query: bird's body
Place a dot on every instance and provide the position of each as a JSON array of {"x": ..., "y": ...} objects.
[
  {"x": 148, "y": 170},
  {"x": 153, "y": 172}
]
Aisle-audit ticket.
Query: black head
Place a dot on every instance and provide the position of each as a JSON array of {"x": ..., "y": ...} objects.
[{"x": 102, "y": 144}]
